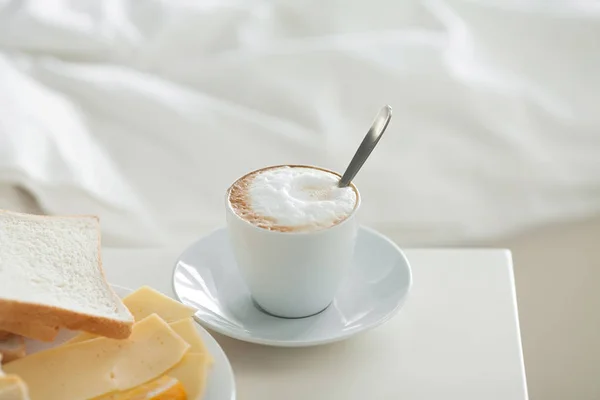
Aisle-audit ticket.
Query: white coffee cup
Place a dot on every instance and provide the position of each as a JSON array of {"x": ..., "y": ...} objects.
[{"x": 293, "y": 274}]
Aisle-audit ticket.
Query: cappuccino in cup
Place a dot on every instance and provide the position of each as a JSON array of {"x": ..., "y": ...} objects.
[
  {"x": 293, "y": 232},
  {"x": 292, "y": 199}
]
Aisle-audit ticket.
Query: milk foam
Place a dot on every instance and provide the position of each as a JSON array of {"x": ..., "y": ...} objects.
[{"x": 297, "y": 198}]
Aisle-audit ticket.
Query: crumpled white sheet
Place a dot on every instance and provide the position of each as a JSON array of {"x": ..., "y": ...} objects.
[{"x": 144, "y": 111}]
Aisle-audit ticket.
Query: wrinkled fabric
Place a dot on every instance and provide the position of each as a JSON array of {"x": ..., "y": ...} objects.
[{"x": 144, "y": 112}]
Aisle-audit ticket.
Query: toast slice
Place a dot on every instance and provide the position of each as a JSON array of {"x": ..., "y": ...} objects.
[
  {"x": 29, "y": 329},
  {"x": 12, "y": 348},
  {"x": 51, "y": 273}
]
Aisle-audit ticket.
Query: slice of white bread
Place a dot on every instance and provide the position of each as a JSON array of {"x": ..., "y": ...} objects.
[
  {"x": 12, "y": 348},
  {"x": 51, "y": 273}
]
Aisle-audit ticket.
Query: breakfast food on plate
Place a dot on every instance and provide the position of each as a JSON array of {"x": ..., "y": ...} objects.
[
  {"x": 160, "y": 360},
  {"x": 12, "y": 347},
  {"x": 110, "y": 365},
  {"x": 145, "y": 346},
  {"x": 51, "y": 273}
]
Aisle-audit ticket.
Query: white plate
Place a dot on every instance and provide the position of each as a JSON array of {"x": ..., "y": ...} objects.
[
  {"x": 206, "y": 277},
  {"x": 220, "y": 385}
]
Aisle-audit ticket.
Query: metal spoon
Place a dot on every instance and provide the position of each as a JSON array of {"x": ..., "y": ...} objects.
[{"x": 368, "y": 144}]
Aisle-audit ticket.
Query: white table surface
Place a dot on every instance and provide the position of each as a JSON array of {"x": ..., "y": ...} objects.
[{"x": 457, "y": 336}]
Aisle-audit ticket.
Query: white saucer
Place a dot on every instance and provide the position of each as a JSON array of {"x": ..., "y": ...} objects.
[{"x": 206, "y": 277}]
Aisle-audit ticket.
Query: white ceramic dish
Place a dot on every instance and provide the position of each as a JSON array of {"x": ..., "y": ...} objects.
[
  {"x": 206, "y": 277},
  {"x": 221, "y": 384}
]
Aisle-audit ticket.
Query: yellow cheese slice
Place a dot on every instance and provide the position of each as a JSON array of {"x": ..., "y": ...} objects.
[
  {"x": 163, "y": 388},
  {"x": 12, "y": 387},
  {"x": 192, "y": 371},
  {"x": 186, "y": 328},
  {"x": 95, "y": 367},
  {"x": 146, "y": 301}
]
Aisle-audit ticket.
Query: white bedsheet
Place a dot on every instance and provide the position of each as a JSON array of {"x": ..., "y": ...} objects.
[{"x": 143, "y": 111}]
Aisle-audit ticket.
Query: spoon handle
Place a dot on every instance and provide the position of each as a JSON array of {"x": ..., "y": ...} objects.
[{"x": 368, "y": 144}]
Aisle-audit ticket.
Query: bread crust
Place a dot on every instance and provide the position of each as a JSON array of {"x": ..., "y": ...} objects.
[
  {"x": 47, "y": 316},
  {"x": 30, "y": 329},
  {"x": 16, "y": 311}
]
